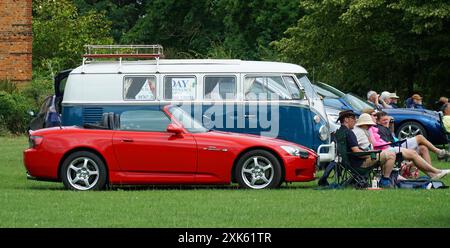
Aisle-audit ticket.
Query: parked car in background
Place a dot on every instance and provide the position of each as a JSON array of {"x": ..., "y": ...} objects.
[
  {"x": 162, "y": 145},
  {"x": 407, "y": 122}
]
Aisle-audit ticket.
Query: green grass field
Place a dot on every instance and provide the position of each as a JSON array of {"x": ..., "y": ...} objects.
[{"x": 27, "y": 203}]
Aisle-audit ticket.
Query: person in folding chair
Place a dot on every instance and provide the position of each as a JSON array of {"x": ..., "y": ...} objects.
[
  {"x": 356, "y": 161},
  {"x": 418, "y": 143},
  {"x": 410, "y": 153},
  {"x": 387, "y": 158}
]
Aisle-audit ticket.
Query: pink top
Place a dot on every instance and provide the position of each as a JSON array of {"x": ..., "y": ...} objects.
[{"x": 376, "y": 139}]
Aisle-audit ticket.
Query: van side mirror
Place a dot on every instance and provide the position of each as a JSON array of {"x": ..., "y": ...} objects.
[{"x": 174, "y": 128}]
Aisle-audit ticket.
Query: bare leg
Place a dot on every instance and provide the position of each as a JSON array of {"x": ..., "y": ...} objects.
[
  {"x": 423, "y": 141},
  {"x": 387, "y": 162},
  {"x": 420, "y": 163},
  {"x": 424, "y": 153}
]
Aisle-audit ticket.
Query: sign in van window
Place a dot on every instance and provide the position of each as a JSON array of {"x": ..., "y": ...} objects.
[
  {"x": 139, "y": 88},
  {"x": 220, "y": 88},
  {"x": 265, "y": 88},
  {"x": 179, "y": 88}
]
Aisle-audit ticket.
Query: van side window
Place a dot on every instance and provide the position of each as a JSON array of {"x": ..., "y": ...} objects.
[
  {"x": 144, "y": 120},
  {"x": 180, "y": 87},
  {"x": 220, "y": 88},
  {"x": 265, "y": 87},
  {"x": 139, "y": 88},
  {"x": 293, "y": 87}
]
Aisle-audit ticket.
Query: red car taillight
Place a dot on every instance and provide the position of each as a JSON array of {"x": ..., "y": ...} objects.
[{"x": 35, "y": 141}]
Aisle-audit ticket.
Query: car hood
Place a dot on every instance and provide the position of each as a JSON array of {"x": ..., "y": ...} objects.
[
  {"x": 242, "y": 138},
  {"x": 408, "y": 111}
]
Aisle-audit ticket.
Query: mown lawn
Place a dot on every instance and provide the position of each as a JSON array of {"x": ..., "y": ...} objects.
[{"x": 27, "y": 203}]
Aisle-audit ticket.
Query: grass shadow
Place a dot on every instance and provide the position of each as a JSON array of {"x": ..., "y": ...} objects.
[{"x": 162, "y": 187}]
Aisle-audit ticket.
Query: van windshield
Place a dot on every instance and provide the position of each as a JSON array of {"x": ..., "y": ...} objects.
[
  {"x": 306, "y": 84},
  {"x": 186, "y": 120}
]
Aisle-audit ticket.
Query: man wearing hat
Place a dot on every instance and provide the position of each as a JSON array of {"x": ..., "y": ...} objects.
[
  {"x": 394, "y": 100},
  {"x": 417, "y": 101}
]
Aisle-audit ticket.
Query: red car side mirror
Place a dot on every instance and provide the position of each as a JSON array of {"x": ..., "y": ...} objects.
[{"x": 174, "y": 128}]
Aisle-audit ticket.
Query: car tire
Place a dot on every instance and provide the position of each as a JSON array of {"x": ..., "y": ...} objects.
[
  {"x": 83, "y": 171},
  {"x": 258, "y": 169},
  {"x": 410, "y": 129}
]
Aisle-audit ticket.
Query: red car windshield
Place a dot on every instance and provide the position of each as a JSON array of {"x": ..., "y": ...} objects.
[{"x": 186, "y": 120}]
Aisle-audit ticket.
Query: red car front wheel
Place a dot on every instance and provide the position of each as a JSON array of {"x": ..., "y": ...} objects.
[{"x": 258, "y": 169}]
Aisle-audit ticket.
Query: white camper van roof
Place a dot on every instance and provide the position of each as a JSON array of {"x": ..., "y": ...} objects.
[{"x": 187, "y": 66}]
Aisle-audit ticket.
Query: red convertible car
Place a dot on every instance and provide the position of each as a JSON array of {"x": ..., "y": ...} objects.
[{"x": 162, "y": 146}]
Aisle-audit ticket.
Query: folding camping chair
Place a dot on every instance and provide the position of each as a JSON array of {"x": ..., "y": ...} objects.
[{"x": 346, "y": 174}]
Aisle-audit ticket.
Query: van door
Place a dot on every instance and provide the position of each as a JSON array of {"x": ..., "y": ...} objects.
[{"x": 60, "y": 84}]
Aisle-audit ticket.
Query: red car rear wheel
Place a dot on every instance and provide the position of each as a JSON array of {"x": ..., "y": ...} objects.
[{"x": 83, "y": 170}]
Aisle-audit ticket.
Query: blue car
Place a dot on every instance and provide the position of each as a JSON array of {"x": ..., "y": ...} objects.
[{"x": 407, "y": 122}]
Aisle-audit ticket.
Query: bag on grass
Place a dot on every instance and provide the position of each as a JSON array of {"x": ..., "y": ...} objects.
[{"x": 420, "y": 183}]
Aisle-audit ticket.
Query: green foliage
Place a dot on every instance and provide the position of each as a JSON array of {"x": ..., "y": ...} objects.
[
  {"x": 40, "y": 87},
  {"x": 8, "y": 86},
  {"x": 122, "y": 14},
  {"x": 209, "y": 28},
  {"x": 374, "y": 44},
  {"x": 13, "y": 112},
  {"x": 15, "y": 103},
  {"x": 60, "y": 33}
]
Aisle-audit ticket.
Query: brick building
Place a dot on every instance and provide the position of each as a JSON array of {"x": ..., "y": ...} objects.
[{"x": 15, "y": 40}]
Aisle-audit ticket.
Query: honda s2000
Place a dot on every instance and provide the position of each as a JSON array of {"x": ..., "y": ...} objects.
[{"x": 162, "y": 146}]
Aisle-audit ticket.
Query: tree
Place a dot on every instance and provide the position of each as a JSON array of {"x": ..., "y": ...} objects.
[
  {"x": 214, "y": 28},
  {"x": 123, "y": 14},
  {"x": 60, "y": 33}
]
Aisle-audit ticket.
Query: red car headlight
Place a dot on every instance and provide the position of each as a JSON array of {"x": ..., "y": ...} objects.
[{"x": 296, "y": 151}]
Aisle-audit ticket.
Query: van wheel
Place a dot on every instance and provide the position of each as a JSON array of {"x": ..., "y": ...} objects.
[
  {"x": 258, "y": 169},
  {"x": 83, "y": 171}
]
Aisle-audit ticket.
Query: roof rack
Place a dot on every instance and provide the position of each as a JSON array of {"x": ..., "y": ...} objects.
[{"x": 122, "y": 52}]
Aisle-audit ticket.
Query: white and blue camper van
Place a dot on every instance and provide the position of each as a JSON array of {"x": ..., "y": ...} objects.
[{"x": 255, "y": 97}]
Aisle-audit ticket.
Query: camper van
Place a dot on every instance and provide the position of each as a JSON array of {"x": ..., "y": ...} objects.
[{"x": 254, "y": 97}]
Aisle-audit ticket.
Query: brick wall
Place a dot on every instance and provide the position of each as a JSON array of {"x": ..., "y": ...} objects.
[{"x": 15, "y": 40}]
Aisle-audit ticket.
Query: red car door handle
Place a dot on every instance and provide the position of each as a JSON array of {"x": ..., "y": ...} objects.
[{"x": 127, "y": 140}]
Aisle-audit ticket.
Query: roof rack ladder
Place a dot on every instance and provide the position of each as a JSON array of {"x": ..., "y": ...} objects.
[{"x": 121, "y": 52}]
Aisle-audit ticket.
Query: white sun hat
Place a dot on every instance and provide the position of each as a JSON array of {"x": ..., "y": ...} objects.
[
  {"x": 365, "y": 119},
  {"x": 394, "y": 95}
]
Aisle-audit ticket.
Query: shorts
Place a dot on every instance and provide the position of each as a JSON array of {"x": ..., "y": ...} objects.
[
  {"x": 394, "y": 149},
  {"x": 411, "y": 143}
]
